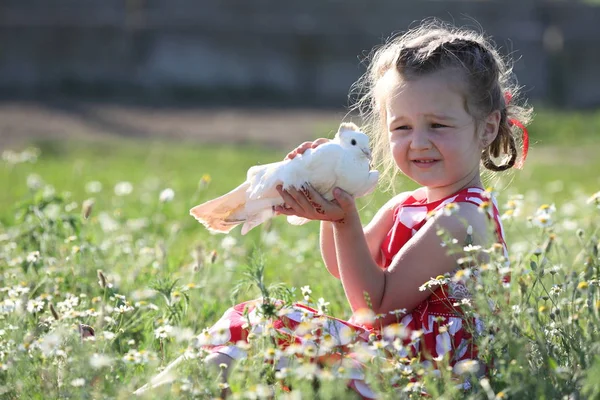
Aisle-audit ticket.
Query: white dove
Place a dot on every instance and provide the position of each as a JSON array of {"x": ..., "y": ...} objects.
[{"x": 343, "y": 162}]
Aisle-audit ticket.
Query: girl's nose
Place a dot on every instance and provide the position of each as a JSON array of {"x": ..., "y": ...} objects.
[{"x": 420, "y": 140}]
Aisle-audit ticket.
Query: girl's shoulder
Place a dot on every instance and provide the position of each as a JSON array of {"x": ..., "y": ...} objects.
[
  {"x": 466, "y": 205},
  {"x": 472, "y": 207},
  {"x": 398, "y": 200},
  {"x": 470, "y": 201},
  {"x": 385, "y": 216},
  {"x": 408, "y": 198}
]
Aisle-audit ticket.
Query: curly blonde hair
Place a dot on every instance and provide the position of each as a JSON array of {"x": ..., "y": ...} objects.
[{"x": 437, "y": 46}]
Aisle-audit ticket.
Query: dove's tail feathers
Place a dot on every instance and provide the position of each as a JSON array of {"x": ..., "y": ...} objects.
[
  {"x": 223, "y": 213},
  {"x": 295, "y": 220},
  {"x": 166, "y": 376},
  {"x": 256, "y": 172},
  {"x": 256, "y": 219}
]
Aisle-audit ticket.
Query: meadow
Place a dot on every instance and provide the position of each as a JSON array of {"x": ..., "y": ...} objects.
[{"x": 98, "y": 233}]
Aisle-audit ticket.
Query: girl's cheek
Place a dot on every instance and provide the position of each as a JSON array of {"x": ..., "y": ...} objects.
[
  {"x": 395, "y": 144},
  {"x": 397, "y": 152}
]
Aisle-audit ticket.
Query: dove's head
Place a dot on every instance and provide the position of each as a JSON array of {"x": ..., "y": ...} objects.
[{"x": 351, "y": 138}]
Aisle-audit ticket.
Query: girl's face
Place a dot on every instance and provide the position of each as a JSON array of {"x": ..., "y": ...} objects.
[{"x": 432, "y": 138}]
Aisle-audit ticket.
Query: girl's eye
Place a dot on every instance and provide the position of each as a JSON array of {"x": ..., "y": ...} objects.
[
  {"x": 438, "y": 126},
  {"x": 402, "y": 128}
]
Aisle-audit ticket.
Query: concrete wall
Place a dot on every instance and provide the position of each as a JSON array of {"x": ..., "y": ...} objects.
[{"x": 241, "y": 51}]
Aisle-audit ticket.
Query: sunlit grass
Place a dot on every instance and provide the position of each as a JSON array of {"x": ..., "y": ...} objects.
[{"x": 163, "y": 278}]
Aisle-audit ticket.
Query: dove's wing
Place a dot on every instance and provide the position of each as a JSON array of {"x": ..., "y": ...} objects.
[
  {"x": 319, "y": 168},
  {"x": 264, "y": 178},
  {"x": 370, "y": 184},
  {"x": 352, "y": 173},
  {"x": 316, "y": 166}
]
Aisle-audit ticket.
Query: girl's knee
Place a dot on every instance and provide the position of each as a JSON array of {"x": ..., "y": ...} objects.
[{"x": 219, "y": 361}]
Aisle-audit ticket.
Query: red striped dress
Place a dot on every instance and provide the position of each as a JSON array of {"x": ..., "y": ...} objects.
[{"x": 300, "y": 330}]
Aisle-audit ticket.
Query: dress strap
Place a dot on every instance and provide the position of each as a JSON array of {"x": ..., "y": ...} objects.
[{"x": 411, "y": 214}]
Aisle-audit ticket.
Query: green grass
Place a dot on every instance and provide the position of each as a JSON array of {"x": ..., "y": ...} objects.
[{"x": 159, "y": 245}]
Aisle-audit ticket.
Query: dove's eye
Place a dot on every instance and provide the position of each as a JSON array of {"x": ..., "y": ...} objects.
[{"x": 353, "y": 142}]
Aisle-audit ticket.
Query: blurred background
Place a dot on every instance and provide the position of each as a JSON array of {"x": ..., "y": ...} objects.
[
  {"x": 267, "y": 72},
  {"x": 118, "y": 116}
]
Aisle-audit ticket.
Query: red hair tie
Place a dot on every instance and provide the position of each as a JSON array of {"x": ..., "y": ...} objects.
[{"x": 513, "y": 121}]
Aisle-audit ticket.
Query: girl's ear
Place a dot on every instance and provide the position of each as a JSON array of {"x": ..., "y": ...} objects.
[{"x": 490, "y": 128}]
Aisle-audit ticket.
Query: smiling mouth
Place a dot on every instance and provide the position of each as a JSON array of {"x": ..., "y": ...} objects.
[{"x": 424, "y": 161}]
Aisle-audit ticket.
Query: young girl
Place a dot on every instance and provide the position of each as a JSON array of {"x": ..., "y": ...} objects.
[{"x": 439, "y": 103}]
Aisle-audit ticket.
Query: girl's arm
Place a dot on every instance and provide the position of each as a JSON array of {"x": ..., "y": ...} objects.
[
  {"x": 419, "y": 260},
  {"x": 374, "y": 234}
]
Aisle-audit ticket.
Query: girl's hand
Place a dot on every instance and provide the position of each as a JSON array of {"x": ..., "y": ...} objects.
[
  {"x": 308, "y": 203},
  {"x": 305, "y": 146}
]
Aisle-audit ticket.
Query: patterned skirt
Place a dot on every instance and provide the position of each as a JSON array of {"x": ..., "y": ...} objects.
[{"x": 428, "y": 333}]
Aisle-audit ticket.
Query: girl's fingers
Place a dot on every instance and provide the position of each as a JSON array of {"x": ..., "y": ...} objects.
[
  {"x": 301, "y": 199},
  {"x": 309, "y": 203},
  {"x": 292, "y": 154},
  {"x": 301, "y": 203},
  {"x": 312, "y": 195},
  {"x": 289, "y": 200},
  {"x": 319, "y": 142},
  {"x": 280, "y": 210},
  {"x": 332, "y": 208},
  {"x": 319, "y": 204},
  {"x": 305, "y": 146},
  {"x": 343, "y": 198},
  {"x": 299, "y": 150}
]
